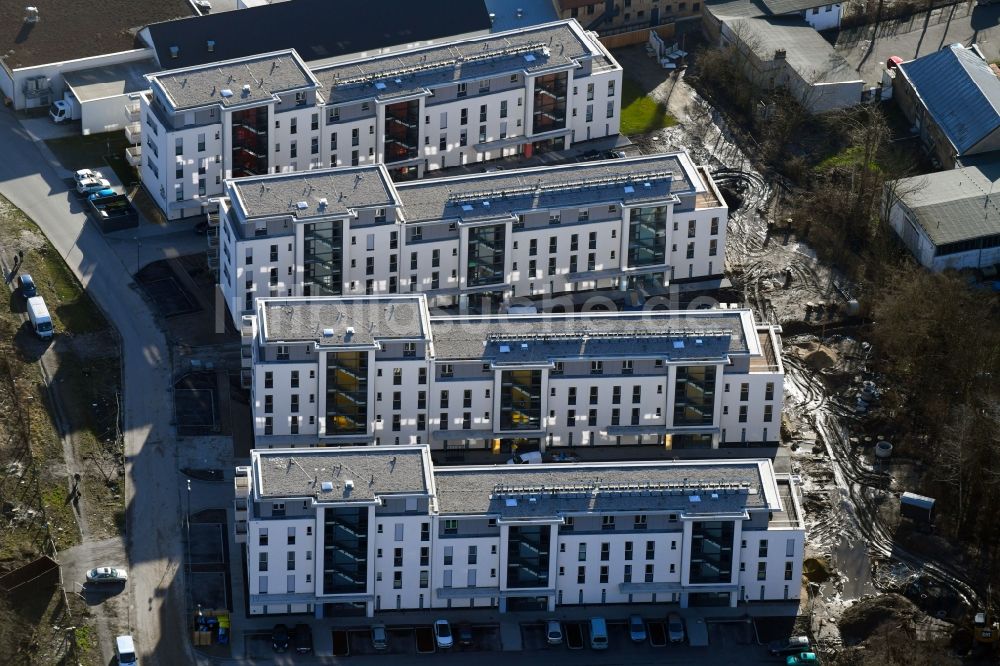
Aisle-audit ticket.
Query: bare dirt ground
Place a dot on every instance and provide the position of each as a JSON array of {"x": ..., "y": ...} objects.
[{"x": 850, "y": 497}]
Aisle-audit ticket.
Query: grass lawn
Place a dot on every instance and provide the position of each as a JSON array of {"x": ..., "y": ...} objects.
[
  {"x": 88, "y": 382},
  {"x": 640, "y": 113},
  {"x": 71, "y": 309}
]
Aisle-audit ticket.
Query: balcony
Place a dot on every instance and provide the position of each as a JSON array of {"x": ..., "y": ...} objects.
[
  {"x": 133, "y": 133},
  {"x": 133, "y": 155},
  {"x": 132, "y": 112}
]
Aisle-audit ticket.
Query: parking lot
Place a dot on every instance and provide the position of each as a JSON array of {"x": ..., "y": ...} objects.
[{"x": 729, "y": 642}]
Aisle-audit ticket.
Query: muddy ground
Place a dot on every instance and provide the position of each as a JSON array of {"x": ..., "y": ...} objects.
[{"x": 850, "y": 496}]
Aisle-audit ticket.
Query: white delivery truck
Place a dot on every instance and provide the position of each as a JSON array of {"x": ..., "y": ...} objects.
[
  {"x": 67, "y": 108},
  {"x": 39, "y": 316}
]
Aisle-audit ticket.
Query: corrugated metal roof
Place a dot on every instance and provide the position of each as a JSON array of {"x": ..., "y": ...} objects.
[
  {"x": 953, "y": 206},
  {"x": 960, "y": 91}
]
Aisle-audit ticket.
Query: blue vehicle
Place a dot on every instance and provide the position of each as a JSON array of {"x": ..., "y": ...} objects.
[
  {"x": 100, "y": 194},
  {"x": 27, "y": 286}
]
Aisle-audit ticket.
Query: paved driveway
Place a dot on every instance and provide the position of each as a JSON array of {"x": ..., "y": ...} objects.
[{"x": 868, "y": 47}]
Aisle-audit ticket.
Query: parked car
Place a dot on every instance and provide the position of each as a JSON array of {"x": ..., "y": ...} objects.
[
  {"x": 107, "y": 575},
  {"x": 380, "y": 639},
  {"x": 553, "y": 632},
  {"x": 279, "y": 638},
  {"x": 465, "y": 634},
  {"x": 87, "y": 174},
  {"x": 526, "y": 458},
  {"x": 675, "y": 628},
  {"x": 303, "y": 639},
  {"x": 793, "y": 645},
  {"x": 802, "y": 659},
  {"x": 636, "y": 629},
  {"x": 598, "y": 634},
  {"x": 91, "y": 185},
  {"x": 100, "y": 194},
  {"x": 442, "y": 634},
  {"x": 27, "y": 285}
]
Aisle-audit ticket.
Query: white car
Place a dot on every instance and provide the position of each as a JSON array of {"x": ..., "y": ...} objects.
[
  {"x": 553, "y": 632},
  {"x": 91, "y": 185},
  {"x": 442, "y": 634},
  {"x": 87, "y": 174},
  {"x": 107, "y": 575}
]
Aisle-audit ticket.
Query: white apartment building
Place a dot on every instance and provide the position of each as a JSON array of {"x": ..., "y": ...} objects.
[
  {"x": 474, "y": 241},
  {"x": 359, "y": 530},
  {"x": 381, "y": 370},
  {"x": 519, "y": 92}
]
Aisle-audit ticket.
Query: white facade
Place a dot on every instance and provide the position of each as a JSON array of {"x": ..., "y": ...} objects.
[
  {"x": 696, "y": 379},
  {"x": 978, "y": 249},
  {"x": 376, "y": 110},
  {"x": 587, "y": 230},
  {"x": 824, "y": 17},
  {"x": 451, "y": 537}
]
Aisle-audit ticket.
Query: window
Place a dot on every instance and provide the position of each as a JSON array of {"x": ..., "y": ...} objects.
[
  {"x": 398, "y": 532},
  {"x": 649, "y": 573},
  {"x": 640, "y": 522},
  {"x": 769, "y": 391},
  {"x": 291, "y": 560},
  {"x": 582, "y": 552},
  {"x": 616, "y": 395},
  {"x": 690, "y": 251},
  {"x": 607, "y": 523},
  {"x": 616, "y": 416},
  {"x": 262, "y": 562},
  {"x": 597, "y": 367},
  {"x": 604, "y": 573},
  {"x": 605, "y": 551},
  {"x": 628, "y": 573},
  {"x": 790, "y": 548},
  {"x": 650, "y": 550},
  {"x": 262, "y": 536},
  {"x": 788, "y": 570},
  {"x": 761, "y": 570},
  {"x": 636, "y": 394},
  {"x": 743, "y": 413},
  {"x": 424, "y": 579},
  {"x": 268, "y": 404},
  {"x": 611, "y": 110},
  {"x": 744, "y": 392},
  {"x": 268, "y": 380},
  {"x": 461, "y": 92},
  {"x": 451, "y": 527},
  {"x": 611, "y": 88},
  {"x": 768, "y": 412},
  {"x": 581, "y": 575},
  {"x": 397, "y": 580},
  {"x": 449, "y": 554},
  {"x": 762, "y": 549},
  {"x": 397, "y": 557},
  {"x": 473, "y": 555}
]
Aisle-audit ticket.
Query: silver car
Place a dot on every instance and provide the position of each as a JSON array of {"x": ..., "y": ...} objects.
[
  {"x": 553, "y": 632},
  {"x": 675, "y": 628},
  {"x": 380, "y": 639}
]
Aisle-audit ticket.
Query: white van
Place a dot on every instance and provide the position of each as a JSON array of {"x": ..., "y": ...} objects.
[
  {"x": 598, "y": 634},
  {"x": 125, "y": 651},
  {"x": 38, "y": 314}
]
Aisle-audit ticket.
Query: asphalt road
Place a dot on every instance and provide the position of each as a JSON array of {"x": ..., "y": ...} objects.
[
  {"x": 867, "y": 48},
  {"x": 154, "y": 522}
]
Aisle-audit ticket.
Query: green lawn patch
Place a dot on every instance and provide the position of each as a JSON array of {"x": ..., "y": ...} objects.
[
  {"x": 848, "y": 158},
  {"x": 641, "y": 113}
]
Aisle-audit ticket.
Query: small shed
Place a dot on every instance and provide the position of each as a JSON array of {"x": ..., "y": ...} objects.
[{"x": 916, "y": 507}]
